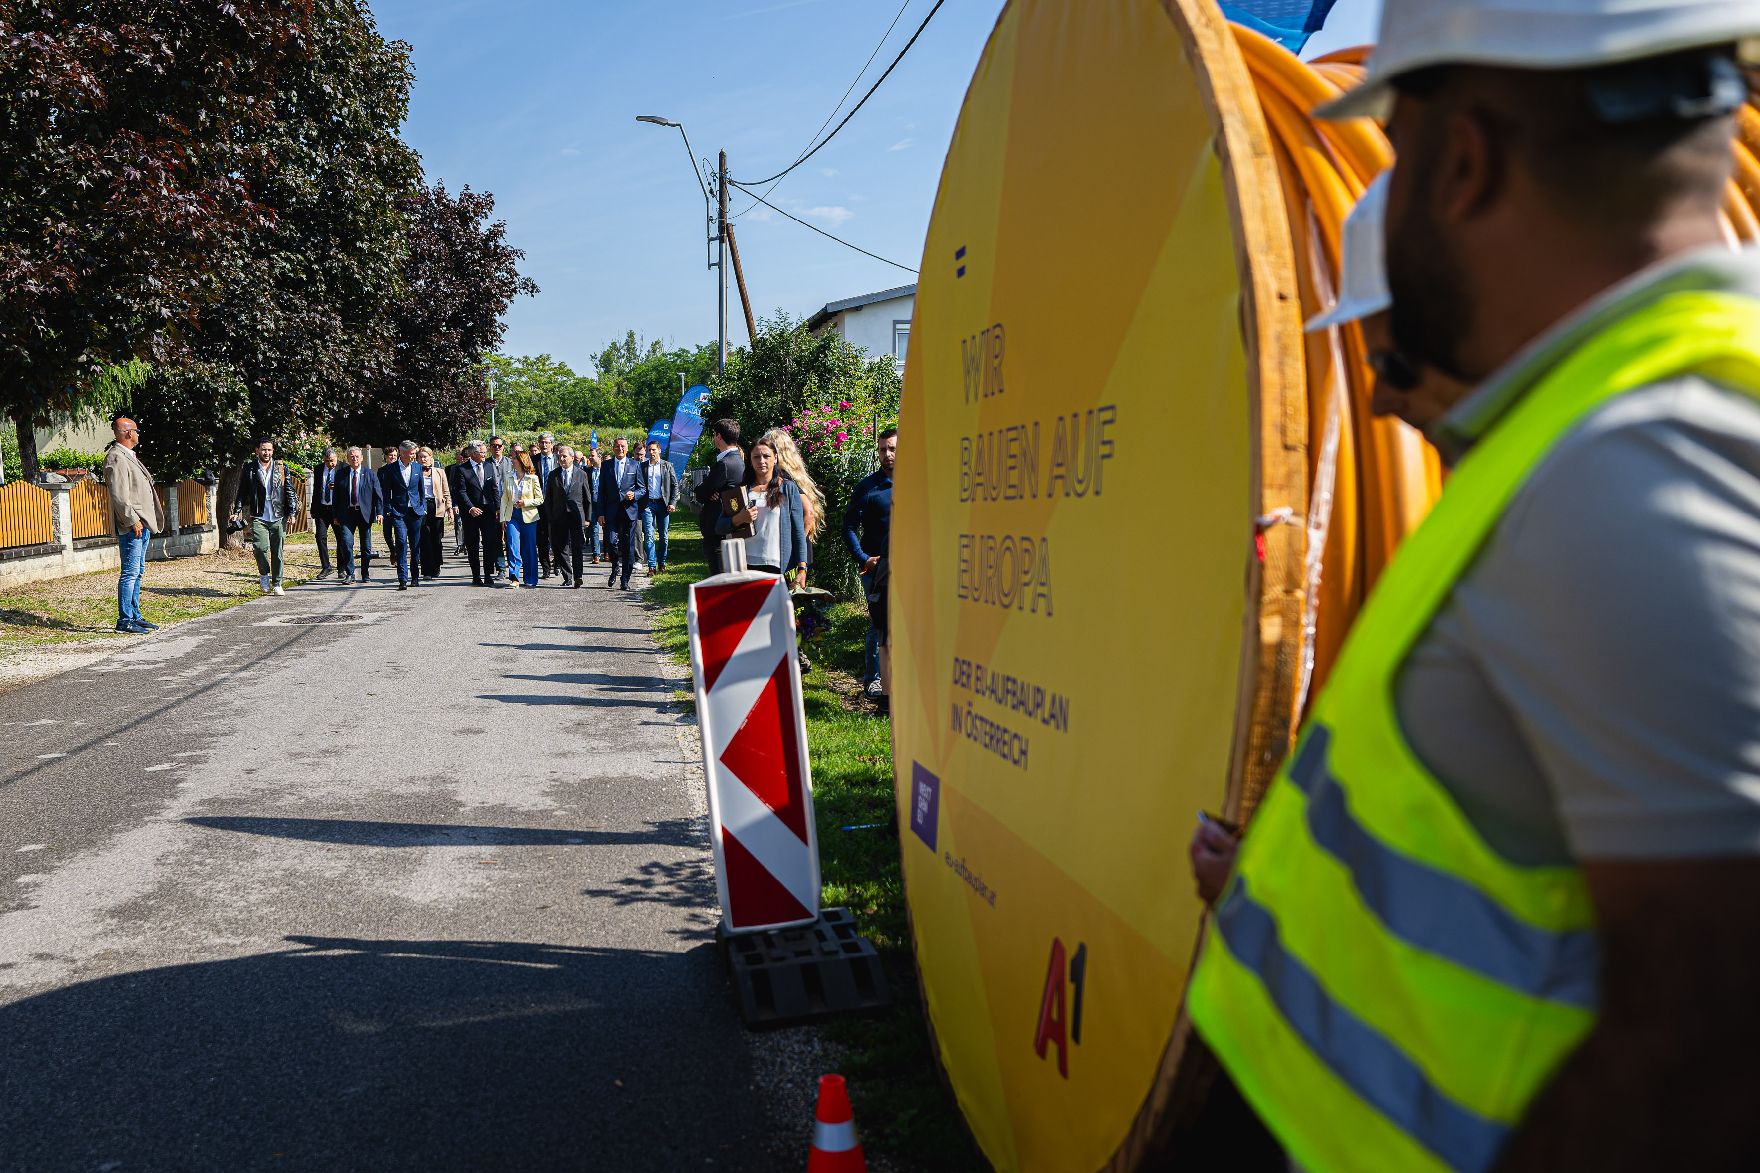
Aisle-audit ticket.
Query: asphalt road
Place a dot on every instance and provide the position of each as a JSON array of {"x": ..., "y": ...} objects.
[{"x": 421, "y": 885}]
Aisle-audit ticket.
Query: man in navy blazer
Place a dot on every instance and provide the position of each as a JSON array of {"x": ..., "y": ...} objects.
[
  {"x": 479, "y": 499},
  {"x": 620, "y": 486},
  {"x": 406, "y": 505},
  {"x": 359, "y": 507}
]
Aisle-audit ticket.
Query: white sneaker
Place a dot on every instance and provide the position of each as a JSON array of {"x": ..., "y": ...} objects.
[
  {"x": 279, "y": 591},
  {"x": 263, "y": 581}
]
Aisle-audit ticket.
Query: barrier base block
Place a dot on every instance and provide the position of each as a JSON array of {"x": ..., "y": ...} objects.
[{"x": 784, "y": 977}]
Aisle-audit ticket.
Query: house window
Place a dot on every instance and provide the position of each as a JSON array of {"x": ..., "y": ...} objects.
[{"x": 901, "y": 337}]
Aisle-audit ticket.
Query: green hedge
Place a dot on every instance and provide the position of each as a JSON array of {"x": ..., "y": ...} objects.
[{"x": 58, "y": 458}]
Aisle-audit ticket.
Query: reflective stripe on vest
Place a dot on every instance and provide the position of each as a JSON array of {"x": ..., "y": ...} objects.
[{"x": 1386, "y": 990}]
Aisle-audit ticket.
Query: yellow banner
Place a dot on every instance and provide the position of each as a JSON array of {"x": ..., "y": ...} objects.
[{"x": 1072, "y": 550}]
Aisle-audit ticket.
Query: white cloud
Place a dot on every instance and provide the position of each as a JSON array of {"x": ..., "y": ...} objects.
[
  {"x": 834, "y": 214},
  {"x": 903, "y": 144},
  {"x": 569, "y": 152},
  {"x": 759, "y": 214},
  {"x": 829, "y": 172}
]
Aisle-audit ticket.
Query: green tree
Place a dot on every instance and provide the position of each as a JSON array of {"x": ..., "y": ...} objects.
[
  {"x": 127, "y": 140},
  {"x": 534, "y": 391},
  {"x": 307, "y": 323},
  {"x": 459, "y": 277}
]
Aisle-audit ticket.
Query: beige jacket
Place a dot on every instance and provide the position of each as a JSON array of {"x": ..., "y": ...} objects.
[
  {"x": 439, "y": 491},
  {"x": 527, "y": 486},
  {"x": 131, "y": 491}
]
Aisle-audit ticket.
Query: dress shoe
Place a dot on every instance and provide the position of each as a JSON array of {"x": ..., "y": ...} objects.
[
  {"x": 324, "y": 574},
  {"x": 477, "y": 581},
  {"x": 577, "y": 585},
  {"x": 403, "y": 586}
]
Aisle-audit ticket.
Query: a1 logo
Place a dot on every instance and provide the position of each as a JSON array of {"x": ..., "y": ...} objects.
[{"x": 1060, "y": 1008}]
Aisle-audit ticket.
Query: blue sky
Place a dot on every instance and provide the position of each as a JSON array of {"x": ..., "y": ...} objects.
[{"x": 535, "y": 100}]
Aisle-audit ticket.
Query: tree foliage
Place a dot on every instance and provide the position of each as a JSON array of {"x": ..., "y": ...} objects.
[
  {"x": 127, "y": 137},
  {"x": 304, "y": 329},
  {"x": 459, "y": 277}
]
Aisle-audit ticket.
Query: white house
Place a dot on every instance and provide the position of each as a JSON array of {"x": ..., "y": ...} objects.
[{"x": 879, "y": 323}]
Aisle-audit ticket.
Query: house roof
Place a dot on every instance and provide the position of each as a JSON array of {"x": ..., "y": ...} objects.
[{"x": 832, "y": 308}]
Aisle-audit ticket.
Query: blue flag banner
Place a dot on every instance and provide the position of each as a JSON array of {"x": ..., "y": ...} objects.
[
  {"x": 660, "y": 433},
  {"x": 1288, "y": 22},
  {"x": 687, "y": 426}
]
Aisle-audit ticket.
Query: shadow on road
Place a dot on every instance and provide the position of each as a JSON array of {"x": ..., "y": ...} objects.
[
  {"x": 684, "y": 883},
  {"x": 604, "y": 648},
  {"x": 356, "y": 833},
  {"x": 597, "y": 680},
  {"x": 526, "y": 698},
  {"x": 362, "y": 1054}
]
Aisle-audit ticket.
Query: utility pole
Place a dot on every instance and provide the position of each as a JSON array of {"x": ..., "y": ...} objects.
[{"x": 721, "y": 264}]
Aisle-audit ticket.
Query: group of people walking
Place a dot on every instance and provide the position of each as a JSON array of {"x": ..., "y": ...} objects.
[
  {"x": 519, "y": 514},
  {"x": 522, "y": 515}
]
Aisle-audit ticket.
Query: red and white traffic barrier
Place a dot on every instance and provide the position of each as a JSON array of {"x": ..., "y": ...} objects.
[{"x": 754, "y": 733}]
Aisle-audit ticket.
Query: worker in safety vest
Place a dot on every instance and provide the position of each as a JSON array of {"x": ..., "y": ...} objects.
[{"x": 1501, "y": 907}]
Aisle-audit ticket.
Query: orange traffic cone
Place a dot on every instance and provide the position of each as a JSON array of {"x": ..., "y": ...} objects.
[{"x": 836, "y": 1148}]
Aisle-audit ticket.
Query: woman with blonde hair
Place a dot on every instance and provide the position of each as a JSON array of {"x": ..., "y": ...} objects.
[
  {"x": 439, "y": 497},
  {"x": 788, "y": 457},
  {"x": 520, "y": 497}
]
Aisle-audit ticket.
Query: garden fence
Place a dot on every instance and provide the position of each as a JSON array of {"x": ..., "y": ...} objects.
[{"x": 27, "y": 515}]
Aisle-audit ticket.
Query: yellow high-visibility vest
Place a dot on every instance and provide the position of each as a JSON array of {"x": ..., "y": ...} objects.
[{"x": 1386, "y": 990}]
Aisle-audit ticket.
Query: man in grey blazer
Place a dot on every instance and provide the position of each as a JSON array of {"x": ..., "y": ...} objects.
[{"x": 658, "y": 500}]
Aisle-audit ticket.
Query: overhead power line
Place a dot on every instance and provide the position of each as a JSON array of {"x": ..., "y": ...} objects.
[
  {"x": 852, "y": 112},
  {"x": 853, "y": 82},
  {"x": 816, "y": 228}
]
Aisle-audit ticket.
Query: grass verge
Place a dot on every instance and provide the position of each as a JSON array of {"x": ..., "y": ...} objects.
[
  {"x": 902, "y": 1107},
  {"x": 83, "y": 607}
]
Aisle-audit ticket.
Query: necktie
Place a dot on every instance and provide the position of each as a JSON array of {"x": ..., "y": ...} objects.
[{"x": 354, "y": 489}]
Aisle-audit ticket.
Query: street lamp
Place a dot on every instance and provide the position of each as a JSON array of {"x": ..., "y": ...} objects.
[{"x": 718, "y": 238}]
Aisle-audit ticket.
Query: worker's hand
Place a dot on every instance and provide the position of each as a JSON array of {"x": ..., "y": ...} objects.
[
  {"x": 137, "y": 527},
  {"x": 1212, "y": 851},
  {"x": 870, "y": 564}
]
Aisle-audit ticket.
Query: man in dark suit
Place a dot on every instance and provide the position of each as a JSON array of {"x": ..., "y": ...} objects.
[
  {"x": 406, "y": 507},
  {"x": 569, "y": 497},
  {"x": 324, "y": 515},
  {"x": 479, "y": 498},
  {"x": 361, "y": 507},
  {"x": 620, "y": 483},
  {"x": 727, "y": 471},
  {"x": 544, "y": 463}
]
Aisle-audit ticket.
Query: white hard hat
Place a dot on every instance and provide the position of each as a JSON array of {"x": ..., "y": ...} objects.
[
  {"x": 1535, "y": 34},
  {"x": 1362, "y": 284}
]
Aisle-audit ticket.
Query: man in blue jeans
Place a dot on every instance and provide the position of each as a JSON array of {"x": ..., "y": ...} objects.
[
  {"x": 137, "y": 514},
  {"x": 867, "y": 529},
  {"x": 659, "y": 499}
]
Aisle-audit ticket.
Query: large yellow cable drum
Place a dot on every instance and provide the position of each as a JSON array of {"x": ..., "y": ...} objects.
[
  {"x": 1136, "y": 512},
  {"x": 1105, "y": 391}
]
